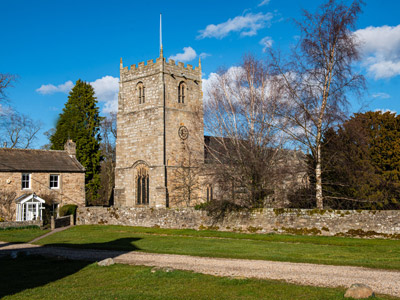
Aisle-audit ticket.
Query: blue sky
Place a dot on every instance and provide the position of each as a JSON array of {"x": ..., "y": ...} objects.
[{"x": 51, "y": 44}]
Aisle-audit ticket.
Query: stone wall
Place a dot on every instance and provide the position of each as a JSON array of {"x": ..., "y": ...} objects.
[
  {"x": 297, "y": 221},
  {"x": 21, "y": 224}
]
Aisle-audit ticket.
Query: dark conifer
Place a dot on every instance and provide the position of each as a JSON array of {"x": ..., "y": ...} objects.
[{"x": 80, "y": 121}]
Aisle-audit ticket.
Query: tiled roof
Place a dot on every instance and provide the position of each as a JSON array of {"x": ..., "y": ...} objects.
[{"x": 28, "y": 160}]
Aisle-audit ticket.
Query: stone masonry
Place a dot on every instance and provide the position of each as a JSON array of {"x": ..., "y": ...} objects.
[
  {"x": 147, "y": 128},
  {"x": 293, "y": 221}
]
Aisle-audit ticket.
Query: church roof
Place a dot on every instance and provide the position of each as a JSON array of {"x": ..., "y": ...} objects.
[
  {"x": 215, "y": 148},
  {"x": 29, "y": 160}
]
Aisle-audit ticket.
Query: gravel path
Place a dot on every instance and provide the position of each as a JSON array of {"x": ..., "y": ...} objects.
[{"x": 381, "y": 281}]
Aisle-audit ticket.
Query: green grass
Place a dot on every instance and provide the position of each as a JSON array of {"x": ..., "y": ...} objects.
[
  {"x": 40, "y": 278},
  {"x": 20, "y": 235},
  {"x": 373, "y": 253}
]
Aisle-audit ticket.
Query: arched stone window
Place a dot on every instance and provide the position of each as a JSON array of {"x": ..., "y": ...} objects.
[
  {"x": 140, "y": 92},
  {"x": 142, "y": 185},
  {"x": 181, "y": 92}
]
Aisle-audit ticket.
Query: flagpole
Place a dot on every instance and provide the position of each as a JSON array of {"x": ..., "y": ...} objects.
[{"x": 161, "y": 46}]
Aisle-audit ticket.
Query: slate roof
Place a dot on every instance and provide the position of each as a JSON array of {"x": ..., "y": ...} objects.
[
  {"x": 28, "y": 160},
  {"x": 213, "y": 144}
]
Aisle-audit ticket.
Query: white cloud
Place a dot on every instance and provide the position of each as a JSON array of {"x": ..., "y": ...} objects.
[
  {"x": 247, "y": 25},
  {"x": 5, "y": 110},
  {"x": 105, "y": 88},
  {"x": 384, "y": 69},
  {"x": 266, "y": 42},
  {"x": 381, "y": 50},
  {"x": 384, "y": 110},
  {"x": 381, "y": 95},
  {"x": 187, "y": 55},
  {"x": 207, "y": 84},
  {"x": 47, "y": 89},
  {"x": 264, "y": 2},
  {"x": 214, "y": 79},
  {"x": 204, "y": 55}
]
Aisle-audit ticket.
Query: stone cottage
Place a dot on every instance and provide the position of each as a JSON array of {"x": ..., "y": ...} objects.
[{"x": 31, "y": 175}]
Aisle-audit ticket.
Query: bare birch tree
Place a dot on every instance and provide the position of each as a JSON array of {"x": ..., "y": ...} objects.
[
  {"x": 319, "y": 76},
  {"x": 6, "y": 80},
  {"x": 18, "y": 130},
  {"x": 108, "y": 135},
  {"x": 244, "y": 151}
]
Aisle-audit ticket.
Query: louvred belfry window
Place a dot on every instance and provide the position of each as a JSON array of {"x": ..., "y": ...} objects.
[{"x": 181, "y": 92}]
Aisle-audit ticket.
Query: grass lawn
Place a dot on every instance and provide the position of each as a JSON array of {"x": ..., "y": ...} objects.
[
  {"x": 20, "y": 235},
  {"x": 39, "y": 278},
  {"x": 373, "y": 253}
]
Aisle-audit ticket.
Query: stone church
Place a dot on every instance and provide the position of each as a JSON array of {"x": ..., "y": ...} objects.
[{"x": 160, "y": 117}]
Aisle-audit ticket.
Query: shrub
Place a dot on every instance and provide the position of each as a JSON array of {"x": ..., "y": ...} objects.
[
  {"x": 49, "y": 207},
  {"x": 20, "y": 228},
  {"x": 201, "y": 206},
  {"x": 69, "y": 209}
]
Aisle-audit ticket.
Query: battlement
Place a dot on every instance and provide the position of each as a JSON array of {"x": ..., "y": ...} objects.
[
  {"x": 181, "y": 65},
  {"x": 150, "y": 65}
]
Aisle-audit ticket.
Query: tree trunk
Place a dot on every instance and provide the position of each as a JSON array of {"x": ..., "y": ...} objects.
[{"x": 318, "y": 179}]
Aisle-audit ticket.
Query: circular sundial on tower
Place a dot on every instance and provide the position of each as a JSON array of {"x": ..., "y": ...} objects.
[{"x": 183, "y": 132}]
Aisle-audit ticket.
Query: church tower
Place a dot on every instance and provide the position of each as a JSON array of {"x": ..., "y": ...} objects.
[{"x": 160, "y": 119}]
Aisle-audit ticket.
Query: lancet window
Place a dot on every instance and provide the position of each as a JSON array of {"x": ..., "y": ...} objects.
[
  {"x": 181, "y": 92},
  {"x": 142, "y": 185},
  {"x": 141, "y": 92}
]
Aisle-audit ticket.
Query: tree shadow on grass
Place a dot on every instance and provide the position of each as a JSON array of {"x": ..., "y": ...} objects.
[
  {"x": 121, "y": 244},
  {"x": 38, "y": 266}
]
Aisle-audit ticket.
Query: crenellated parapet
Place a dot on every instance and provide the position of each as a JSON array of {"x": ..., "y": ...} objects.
[{"x": 154, "y": 66}]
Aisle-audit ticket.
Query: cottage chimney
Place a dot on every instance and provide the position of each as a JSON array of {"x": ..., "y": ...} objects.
[{"x": 70, "y": 147}]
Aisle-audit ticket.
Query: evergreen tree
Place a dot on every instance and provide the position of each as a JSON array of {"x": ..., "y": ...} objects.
[
  {"x": 80, "y": 121},
  {"x": 362, "y": 160}
]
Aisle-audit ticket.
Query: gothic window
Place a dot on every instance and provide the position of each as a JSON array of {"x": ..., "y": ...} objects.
[
  {"x": 181, "y": 92},
  {"x": 142, "y": 185},
  {"x": 141, "y": 93}
]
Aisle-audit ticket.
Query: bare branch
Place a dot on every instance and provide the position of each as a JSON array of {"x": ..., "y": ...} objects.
[{"x": 319, "y": 76}]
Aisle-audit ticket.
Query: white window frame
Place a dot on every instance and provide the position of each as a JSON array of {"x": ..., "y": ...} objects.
[
  {"x": 58, "y": 181},
  {"x": 29, "y": 181}
]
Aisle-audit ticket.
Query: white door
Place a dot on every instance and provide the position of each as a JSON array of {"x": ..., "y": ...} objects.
[{"x": 30, "y": 211}]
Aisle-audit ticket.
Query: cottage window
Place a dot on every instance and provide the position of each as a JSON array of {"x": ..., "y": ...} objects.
[
  {"x": 26, "y": 181},
  {"x": 54, "y": 181},
  {"x": 181, "y": 92}
]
